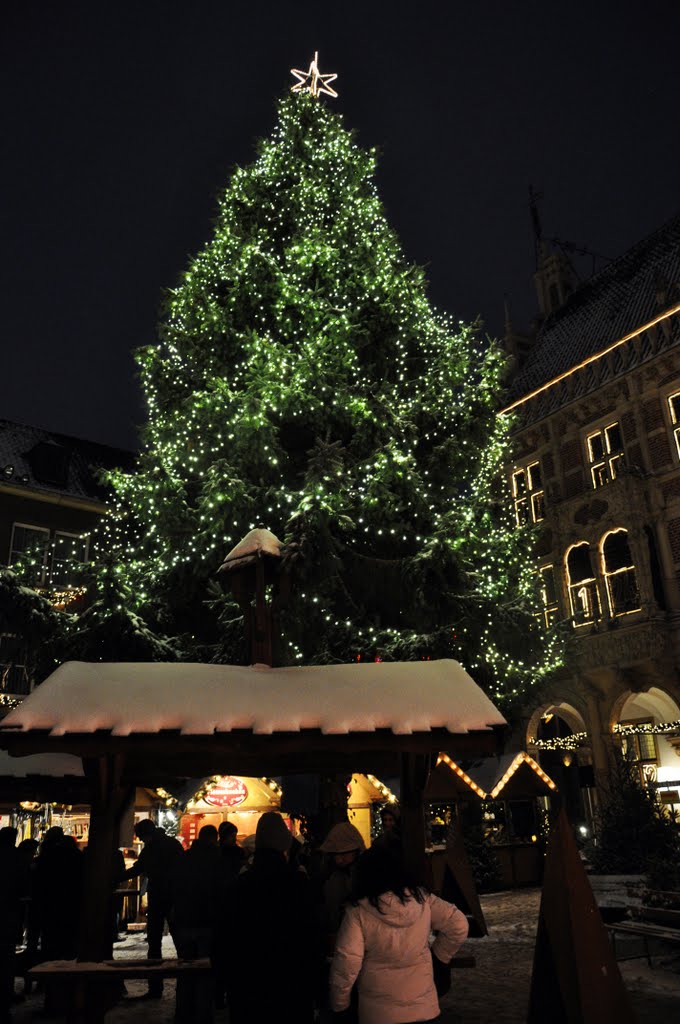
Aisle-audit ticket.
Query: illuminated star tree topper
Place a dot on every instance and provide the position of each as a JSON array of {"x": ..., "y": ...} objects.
[{"x": 313, "y": 81}]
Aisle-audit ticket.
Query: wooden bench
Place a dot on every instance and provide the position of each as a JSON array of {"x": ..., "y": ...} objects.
[
  {"x": 645, "y": 930},
  {"x": 86, "y": 982}
]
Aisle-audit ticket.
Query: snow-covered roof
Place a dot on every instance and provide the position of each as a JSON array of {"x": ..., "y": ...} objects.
[
  {"x": 53, "y": 766},
  {"x": 199, "y": 700},
  {"x": 257, "y": 542}
]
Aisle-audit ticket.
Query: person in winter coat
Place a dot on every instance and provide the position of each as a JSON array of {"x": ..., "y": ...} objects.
[
  {"x": 384, "y": 943},
  {"x": 271, "y": 920},
  {"x": 343, "y": 846},
  {"x": 233, "y": 857},
  {"x": 390, "y": 837},
  {"x": 156, "y": 861},
  {"x": 196, "y": 881}
]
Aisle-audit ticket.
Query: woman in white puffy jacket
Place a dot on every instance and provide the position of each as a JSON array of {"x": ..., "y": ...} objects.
[{"x": 384, "y": 945}]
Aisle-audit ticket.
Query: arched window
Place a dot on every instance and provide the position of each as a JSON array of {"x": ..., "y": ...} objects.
[
  {"x": 619, "y": 573},
  {"x": 583, "y": 596}
]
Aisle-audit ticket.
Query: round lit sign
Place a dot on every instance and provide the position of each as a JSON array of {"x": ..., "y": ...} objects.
[{"x": 230, "y": 792}]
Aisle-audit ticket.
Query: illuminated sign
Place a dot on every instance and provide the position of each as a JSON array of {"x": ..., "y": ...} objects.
[{"x": 229, "y": 792}]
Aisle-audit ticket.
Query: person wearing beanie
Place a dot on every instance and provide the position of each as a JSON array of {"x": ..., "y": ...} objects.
[
  {"x": 271, "y": 916},
  {"x": 342, "y": 846}
]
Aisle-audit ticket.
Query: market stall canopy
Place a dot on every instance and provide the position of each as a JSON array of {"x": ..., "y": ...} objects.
[{"x": 184, "y": 720}]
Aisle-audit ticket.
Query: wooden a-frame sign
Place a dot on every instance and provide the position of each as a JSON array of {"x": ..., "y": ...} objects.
[{"x": 575, "y": 979}]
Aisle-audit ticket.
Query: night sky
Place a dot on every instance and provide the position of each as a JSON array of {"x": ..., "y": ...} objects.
[{"x": 121, "y": 122}]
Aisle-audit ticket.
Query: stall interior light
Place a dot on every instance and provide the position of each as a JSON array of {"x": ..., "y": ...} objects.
[
  {"x": 517, "y": 762},
  {"x": 445, "y": 759}
]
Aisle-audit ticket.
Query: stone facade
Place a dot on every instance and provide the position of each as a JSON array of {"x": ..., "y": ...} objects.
[{"x": 603, "y": 431}]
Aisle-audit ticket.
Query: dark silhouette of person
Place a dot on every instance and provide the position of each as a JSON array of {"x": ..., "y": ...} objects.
[
  {"x": 271, "y": 914},
  {"x": 57, "y": 883},
  {"x": 57, "y": 886},
  {"x": 389, "y": 839},
  {"x": 233, "y": 857},
  {"x": 10, "y": 915},
  {"x": 196, "y": 882},
  {"x": 156, "y": 861}
]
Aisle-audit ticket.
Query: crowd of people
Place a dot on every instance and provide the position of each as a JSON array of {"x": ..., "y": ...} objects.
[{"x": 342, "y": 936}]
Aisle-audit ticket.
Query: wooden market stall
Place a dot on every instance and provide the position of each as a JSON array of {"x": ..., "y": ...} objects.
[
  {"x": 242, "y": 800},
  {"x": 149, "y": 724},
  {"x": 510, "y": 791}
]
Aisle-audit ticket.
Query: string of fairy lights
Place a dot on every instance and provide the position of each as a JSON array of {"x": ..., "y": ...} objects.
[
  {"x": 581, "y": 739},
  {"x": 264, "y": 354},
  {"x": 302, "y": 381}
]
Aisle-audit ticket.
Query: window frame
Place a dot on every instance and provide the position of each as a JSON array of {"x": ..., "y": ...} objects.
[
  {"x": 606, "y": 575},
  {"x": 573, "y": 592},
  {"x": 46, "y": 555},
  {"x": 609, "y": 458},
  {"x": 633, "y": 741},
  {"x": 84, "y": 537},
  {"x": 528, "y": 498},
  {"x": 550, "y": 610},
  {"x": 674, "y": 421}
]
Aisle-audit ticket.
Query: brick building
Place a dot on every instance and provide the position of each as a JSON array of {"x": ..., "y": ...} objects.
[
  {"x": 595, "y": 392},
  {"x": 50, "y": 500}
]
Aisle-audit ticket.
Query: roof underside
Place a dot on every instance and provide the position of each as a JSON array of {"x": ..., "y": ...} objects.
[{"x": 615, "y": 302}]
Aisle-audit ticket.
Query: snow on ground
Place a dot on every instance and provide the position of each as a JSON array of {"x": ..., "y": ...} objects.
[{"x": 496, "y": 990}]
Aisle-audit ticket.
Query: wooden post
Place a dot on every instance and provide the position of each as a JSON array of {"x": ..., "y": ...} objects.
[
  {"x": 109, "y": 800},
  {"x": 261, "y": 620},
  {"x": 415, "y": 769}
]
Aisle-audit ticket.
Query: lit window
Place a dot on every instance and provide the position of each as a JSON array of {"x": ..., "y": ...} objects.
[
  {"x": 674, "y": 406},
  {"x": 29, "y": 546},
  {"x": 619, "y": 574},
  {"x": 605, "y": 454},
  {"x": 14, "y": 678},
  {"x": 641, "y": 750},
  {"x": 549, "y": 595},
  {"x": 528, "y": 495},
  {"x": 583, "y": 595},
  {"x": 68, "y": 553}
]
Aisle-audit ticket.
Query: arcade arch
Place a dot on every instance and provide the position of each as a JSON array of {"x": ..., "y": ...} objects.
[{"x": 634, "y": 717}]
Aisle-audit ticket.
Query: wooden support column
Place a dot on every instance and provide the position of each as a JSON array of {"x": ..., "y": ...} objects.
[
  {"x": 110, "y": 797},
  {"x": 415, "y": 770}
]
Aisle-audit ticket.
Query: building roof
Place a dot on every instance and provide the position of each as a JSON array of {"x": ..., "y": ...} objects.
[
  {"x": 199, "y": 700},
  {"x": 610, "y": 305},
  {"x": 40, "y": 460}
]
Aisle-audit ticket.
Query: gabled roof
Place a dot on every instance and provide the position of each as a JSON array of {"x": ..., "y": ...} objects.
[
  {"x": 40, "y": 460},
  {"x": 198, "y": 700},
  {"x": 510, "y": 776},
  {"x": 615, "y": 302},
  {"x": 187, "y": 721}
]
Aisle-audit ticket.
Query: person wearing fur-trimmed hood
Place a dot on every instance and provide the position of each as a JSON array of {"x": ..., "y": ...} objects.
[{"x": 383, "y": 945}]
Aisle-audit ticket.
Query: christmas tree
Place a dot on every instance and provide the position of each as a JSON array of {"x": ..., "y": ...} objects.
[{"x": 303, "y": 382}]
